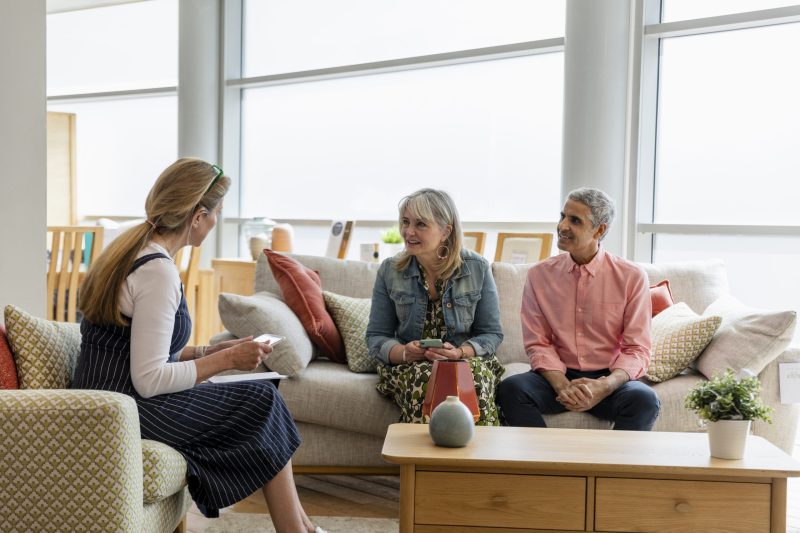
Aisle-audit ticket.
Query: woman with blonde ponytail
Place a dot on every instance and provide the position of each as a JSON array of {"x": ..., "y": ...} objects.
[{"x": 236, "y": 437}]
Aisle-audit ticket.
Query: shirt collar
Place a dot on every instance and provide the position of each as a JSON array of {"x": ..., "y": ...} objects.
[{"x": 592, "y": 267}]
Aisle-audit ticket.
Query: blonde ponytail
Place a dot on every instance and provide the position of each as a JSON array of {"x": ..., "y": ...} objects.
[{"x": 184, "y": 187}]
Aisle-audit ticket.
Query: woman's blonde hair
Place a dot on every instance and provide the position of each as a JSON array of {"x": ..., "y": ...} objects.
[
  {"x": 186, "y": 186},
  {"x": 436, "y": 207}
]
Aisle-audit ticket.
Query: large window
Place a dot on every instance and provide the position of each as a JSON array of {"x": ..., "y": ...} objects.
[
  {"x": 116, "y": 68},
  {"x": 727, "y": 145},
  {"x": 342, "y": 115},
  {"x": 489, "y": 132}
]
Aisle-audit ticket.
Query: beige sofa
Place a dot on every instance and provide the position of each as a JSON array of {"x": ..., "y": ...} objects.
[{"x": 343, "y": 420}]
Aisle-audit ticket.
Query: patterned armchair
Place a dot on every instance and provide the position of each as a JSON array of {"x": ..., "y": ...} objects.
[{"x": 74, "y": 460}]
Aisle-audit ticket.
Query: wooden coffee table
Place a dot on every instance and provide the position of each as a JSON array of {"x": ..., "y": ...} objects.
[{"x": 555, "y": 480}]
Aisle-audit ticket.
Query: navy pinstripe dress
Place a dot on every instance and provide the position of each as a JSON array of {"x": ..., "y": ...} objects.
[{"x": 234, "y": 436}]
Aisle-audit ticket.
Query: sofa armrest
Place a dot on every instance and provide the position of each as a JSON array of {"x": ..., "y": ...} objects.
[
  {"x": 785, "y": 417},
  {"x": 70, "y": 460}
]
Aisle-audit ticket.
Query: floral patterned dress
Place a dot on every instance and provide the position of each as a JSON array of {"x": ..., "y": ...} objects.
[{"x": 406, "y": 384}]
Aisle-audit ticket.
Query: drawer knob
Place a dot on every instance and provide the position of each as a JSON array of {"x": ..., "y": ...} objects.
[{"x": 683, "y": 507}]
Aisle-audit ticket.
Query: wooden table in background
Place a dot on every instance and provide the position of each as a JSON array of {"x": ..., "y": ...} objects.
[
  {"x": 557, "y": 480},
  {"x": 235, "y": 276}
]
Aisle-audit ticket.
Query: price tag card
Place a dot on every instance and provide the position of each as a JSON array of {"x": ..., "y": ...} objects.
[{"x": 790, "y": 382}]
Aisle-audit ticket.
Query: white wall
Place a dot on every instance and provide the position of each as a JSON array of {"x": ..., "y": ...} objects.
[{"x": 23, "y": 154}]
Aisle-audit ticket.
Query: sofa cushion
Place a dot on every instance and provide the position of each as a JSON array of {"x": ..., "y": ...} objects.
[
  {"x": 164, "y": 471},
  {"x": 698, "y": 283},
  {"x": 679, "y": 335},
  {"x": 748, "y": 338},
  {"x": 671, "y": 393},
  {"x": 266, "y": 313},
  {"x": 330, "y": 395},
  {"x": 660, "y": 296},
  {"x": 8, "y": 370},
  {"x": 510, "y": 281},
  {"x": 348, "y": 278},
  {"x": 301, "y": 291},
  {"x": 351, "y": 316},
  {"x": 45, "y": 352}
]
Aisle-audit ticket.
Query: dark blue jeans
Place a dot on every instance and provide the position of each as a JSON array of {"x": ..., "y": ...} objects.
[{"x": 524, "y": 398}]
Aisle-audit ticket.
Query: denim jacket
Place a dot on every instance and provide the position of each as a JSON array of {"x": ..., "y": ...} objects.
[{"x": 469, "y": 302}]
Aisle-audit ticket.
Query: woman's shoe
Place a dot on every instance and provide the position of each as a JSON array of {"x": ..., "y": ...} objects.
[{"x": 319, "y": 530}]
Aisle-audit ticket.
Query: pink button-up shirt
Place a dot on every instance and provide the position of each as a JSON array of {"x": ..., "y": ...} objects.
[{"x": 587, "y": 317}]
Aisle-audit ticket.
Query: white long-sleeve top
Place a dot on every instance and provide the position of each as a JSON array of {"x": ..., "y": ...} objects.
[{"x": 151, "y": 296}]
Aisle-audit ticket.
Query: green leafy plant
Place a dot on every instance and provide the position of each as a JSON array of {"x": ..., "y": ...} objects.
[
  {"x": 726, "y": 397},
  {"x": 391, "y": 236}
]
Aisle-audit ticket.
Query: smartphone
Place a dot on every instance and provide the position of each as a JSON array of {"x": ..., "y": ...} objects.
[
  {"x": 271, "y": 339},
  {"x": 430, "y": 343}
]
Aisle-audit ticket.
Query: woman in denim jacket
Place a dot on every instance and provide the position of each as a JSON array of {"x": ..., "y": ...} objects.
[{"x": 434, "y": 289}]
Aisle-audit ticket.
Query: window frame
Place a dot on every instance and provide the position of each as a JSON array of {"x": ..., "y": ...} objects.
[{"x": 649, "y": 33}]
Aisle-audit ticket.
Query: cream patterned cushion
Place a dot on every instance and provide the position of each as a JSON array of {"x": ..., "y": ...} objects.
[
  {"x": 351, "y": 316},
  {"x": 164, "y": 470},
  {"x": 70, "y": 460},
  {"x": 679, "y": 336},
  {"x": 748, "y": 338},
  {"x": 262, "y": 313},
  {"x": 45, "y": 351}
]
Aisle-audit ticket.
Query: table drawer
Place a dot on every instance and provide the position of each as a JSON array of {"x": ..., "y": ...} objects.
[
  {"x": 500, "y": 500},
  {"x": 665, "y": 505}
]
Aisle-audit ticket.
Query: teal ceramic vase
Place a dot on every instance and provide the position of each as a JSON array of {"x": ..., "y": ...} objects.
[{"x": 451, "y": 424}]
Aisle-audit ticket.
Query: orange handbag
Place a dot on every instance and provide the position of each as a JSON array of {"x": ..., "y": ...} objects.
[{"x": 451, "y": 378}]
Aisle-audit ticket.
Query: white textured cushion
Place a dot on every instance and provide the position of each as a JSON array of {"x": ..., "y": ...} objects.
[
  {"x": 697, "y": 283},
  {"x": 510, "y": 281},
  {"x": 351, "y": 316},
  {"x": 266, "y": 313},
  {"x": 748, "y": 338},
  {"x": 679, "y": 335}
]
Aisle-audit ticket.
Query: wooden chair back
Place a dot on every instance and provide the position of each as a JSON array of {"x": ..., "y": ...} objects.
[
  {"x": 475, "y": 241},
  {"x": 521, "y": 248},
  {"x": 70, "y": 255},
  {"x": 189, "y": 269}
]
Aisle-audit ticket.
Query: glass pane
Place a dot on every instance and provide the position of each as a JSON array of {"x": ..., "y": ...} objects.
[
  {"x": 692, "y": 9},
  {"x": 757, "y": 266},
  {"x": 488, "y": 132},
  {"x": 299, "y": 35},
  {"x": 129, "y": 46},
  {"x": 729, "y": 128},
  {"x": 121, "y": 148}
]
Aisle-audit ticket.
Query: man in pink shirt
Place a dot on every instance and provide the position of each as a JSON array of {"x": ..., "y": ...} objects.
[{"x": 586, "y": 328}]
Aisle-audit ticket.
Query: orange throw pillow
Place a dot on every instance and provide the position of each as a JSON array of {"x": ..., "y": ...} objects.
[
  {"x": 661, "y": 296},
  {"x": 8, "y": 369},
  {"x": 302, "y": 292}
]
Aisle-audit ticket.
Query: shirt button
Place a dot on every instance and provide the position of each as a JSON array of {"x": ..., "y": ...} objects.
[
  {"x": 449, "y": 305},
  {"x": 580, "y": 310},
  {"x": 580, "y": 334}
]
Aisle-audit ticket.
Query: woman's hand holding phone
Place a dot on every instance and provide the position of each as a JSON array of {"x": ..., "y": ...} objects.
[{"x": 447, "y": 351}]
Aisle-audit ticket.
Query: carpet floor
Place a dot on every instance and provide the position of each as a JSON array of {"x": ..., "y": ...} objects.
[{"x": 260, "y": 523}]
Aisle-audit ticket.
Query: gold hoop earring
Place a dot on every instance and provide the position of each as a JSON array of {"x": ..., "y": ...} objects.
[{"x": 442, "y": 254}]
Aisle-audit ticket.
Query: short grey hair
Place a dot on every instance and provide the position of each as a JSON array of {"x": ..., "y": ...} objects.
[{"x": 600, "y": 205}]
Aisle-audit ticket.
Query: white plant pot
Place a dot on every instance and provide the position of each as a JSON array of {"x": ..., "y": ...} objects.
[
  {"x": 386, "y": 250},
  {"x": 727, "y": 438}
]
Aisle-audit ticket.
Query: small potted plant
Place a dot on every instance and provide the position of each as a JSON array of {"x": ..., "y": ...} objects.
[
  {"x": 392, "y": 242},
  {"x": 728, "y": 403}
]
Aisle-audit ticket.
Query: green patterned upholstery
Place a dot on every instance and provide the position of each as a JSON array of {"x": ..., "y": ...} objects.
[
  {"x": 74, "y": 460},
  {"x": 69, "y": 461},
  {"x": 45, "y": 351},
  {"x": 164, "y": 471}
]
